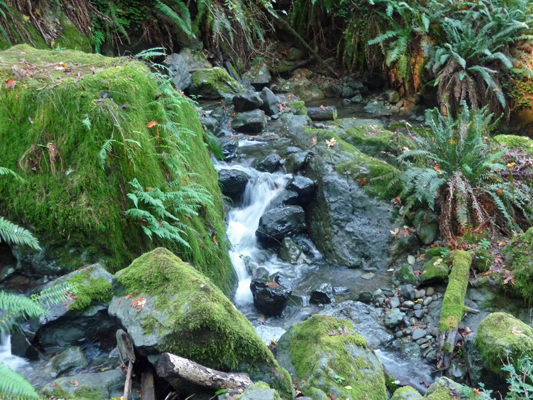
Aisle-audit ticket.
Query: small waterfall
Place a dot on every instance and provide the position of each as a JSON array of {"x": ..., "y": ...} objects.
[
  {"x": 17, "y": 364},
  {"x": 243, "y": 222}
]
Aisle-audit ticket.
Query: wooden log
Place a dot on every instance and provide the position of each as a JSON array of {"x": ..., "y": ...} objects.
[
  {"x": 172, "y": 366},
  {"x": 453, "y": 308},
  {"x": 322, "y": 113},
  {"x": 127, "y": 352},
  {"x": 147, "y": 385}
]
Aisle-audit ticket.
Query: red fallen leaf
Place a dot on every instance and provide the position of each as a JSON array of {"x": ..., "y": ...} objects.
[
  {"x": 151, "y": 124},
  {"x": 272, "y": 284},
  {"x": 53, "y": 384},
  {"x": 362, "y": 181},
  {"x": 416, "y": 272},
  {"x": 10, "y": 83},
  {"x": 437, "y": 168},
  {"x": 139, "y": 303},
  {"x": 75, "y": 383},
  {"x": 330, "y": 396}
]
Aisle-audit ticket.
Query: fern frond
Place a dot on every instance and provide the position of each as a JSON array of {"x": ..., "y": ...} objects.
[
  {"x": 15, "y": 387},
  {"x": 11, "y": 233}
]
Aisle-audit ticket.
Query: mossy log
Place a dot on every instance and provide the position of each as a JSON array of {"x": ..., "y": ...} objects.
[
  {"x": 172, "y": 366},
  {"x": 322, "y": 113},
  {"x": 453, "y": 308}
]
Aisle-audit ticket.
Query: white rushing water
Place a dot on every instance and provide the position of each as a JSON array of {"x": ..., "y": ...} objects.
[
  {"x": 17, "y": 364},
  {"x": 243, "y": 221}
]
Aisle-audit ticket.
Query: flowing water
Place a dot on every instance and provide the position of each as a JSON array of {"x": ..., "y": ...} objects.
[{"x": 17, "y": 364}]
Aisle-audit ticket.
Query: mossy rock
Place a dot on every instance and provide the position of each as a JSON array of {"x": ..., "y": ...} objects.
[
  {"x": 432, "y": 273},
  {"x": 213, "y": 83},
  {"x": 518, "y": 255},
  {"x": 374, "y": 175},
  {"x": 331, "y": 357},
  {"x": 70, "y": 104},
  {"x": 298, "y": 108},
  {"x": 187, "y": 315},
  {"x": 404, "y": 275},
  {"x": 259, "y": 391},
  {"x": 90, "y": 386},
  {"x": 499, "y": 333},
  {"x": 482, "y": 260},
  {"x": 406, "y": 393},
  {"x": 444, "y": 389},
  {"x": 516, "y": 142}
]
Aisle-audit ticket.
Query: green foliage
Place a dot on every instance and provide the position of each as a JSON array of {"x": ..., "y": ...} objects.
[
  {"x": 14, "y": 386},
  {"x": 456, "y": 174}
]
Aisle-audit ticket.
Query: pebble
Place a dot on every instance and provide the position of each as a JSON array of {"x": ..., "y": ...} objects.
[
  {"x": 418, "y": 334},
  {"x": 399, "y": 334},
  {"x": 418, "y": 306},
  {"x": 439, "y": 295},
  {"x": 412, "y": 321},
  {"x": 368, "y": 275},
  {"x": 378, "y": 293},
  {"x": 420, "y": 293},
  {"x": 408, "y": 291},
  {"x": 425, "y": 345},
  {"x": 408, "y": 304},
  {"x": 422, "y": 341},
  {"x": 430, "y": 291},
  {"x": 434, "y": 332},
  {"x": 427, "y": 301},
  {"x": 394, "y": 302},
  {"x": 419, "y": 314}
]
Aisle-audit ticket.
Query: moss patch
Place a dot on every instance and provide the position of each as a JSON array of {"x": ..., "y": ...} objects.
[
  {"x": 90, "y": 290},
  {"x": 194, "y": 319},
  {"x": 375, "y": 175},
  {"x": 74, "y": 102},
  {"x": 453, "y": 302},
  {"x": 518, "y": 256},
  {"x": 213, "y": 83},
  {"x": 516, "y": 142},
  {"x": 375, "y": 142},
  {"x": 340, "y": 364},
  {"x": 434, "y": 271},
  {"x": 298, "y": 108},
  {"x": 406, "y": 393},
  {"x": 499, "y": 332}
]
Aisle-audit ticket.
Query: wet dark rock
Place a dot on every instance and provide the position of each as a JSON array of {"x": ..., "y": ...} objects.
[
  {"x": 269, "y": 299},
  {"x": 247, "y": 101},
  {"x": 269, "y": 163},
  {"x": 404, "y": 275},
  {"x": 408, "y": 291},
  {"x": 233, "y": 182},
  {"x": 258, "y": 76},
  {"x": 280, "y": 222},
  {"x": 290, "y": 251},
  {"x": 357, "y": 98},
  {"x": 210, "y": 124},
  {"x": 68, "y": 359},
  {"x": 229, "y": 146},
  {"x": 20, "y": 342},
  {"x": 426, "y": 225},
  {"x": 366, "y": 321},
  {"x": 333, "y": 90},
  {"x": 37, "y": 262},
  {"x": 179, "y": 71},
  {"x": 296, "y": 161},
  {"x": 322, "y": 294},
  {"x": 249, "y": 122},
  {"x": 259, "y": 273},
  {"x": 347, "y": 92},
  {"x": 394, "y": 318},
  {"x": 365, "y": 297},
  {"x": 305, "y": 188},
  {"x": 270, "y": 102},
  {"x": 284, "y": 198},
  {"x": 392, "y": 96},
  {"x": 377, "y": 108}
]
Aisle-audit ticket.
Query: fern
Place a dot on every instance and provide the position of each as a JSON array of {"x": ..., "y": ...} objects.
[
  {"x": 15, "y": 387},
  {"x": 11, "y": 233}
]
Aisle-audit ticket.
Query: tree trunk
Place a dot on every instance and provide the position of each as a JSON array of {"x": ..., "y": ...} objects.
[{"x": 171, "y": 366}]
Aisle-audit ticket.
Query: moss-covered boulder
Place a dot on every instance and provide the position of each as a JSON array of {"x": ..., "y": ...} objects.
[
  {"x": 403, "y": 275},
  {"x": 499, "y": 333},
  {"x": 259, "y": 391},
  {"x": 81, "y": 129},
  {"x": 213, "y": 83},
  {"x": 523, "y": 143},
  {"x": 443, "y": 389},
  {"x": 406, "y": 393},
  {"x": 435, "y": 271},
  {"x": 518, "y": 258},
  {"x": 168, "y": 306},
  {"x": 90, "y": 386},
  {"x": 331, "y": 358}
]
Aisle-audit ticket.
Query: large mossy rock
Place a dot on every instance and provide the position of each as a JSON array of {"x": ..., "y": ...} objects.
[
  {"x": 331, "y": 358},
  {"x": 90, "y": 386},
  {"x": 214, "y": 83},
  {"x": 349, "y": 225},
  {"x": 443, "y": 389},
  {"x": 187, "y": 315},
  {"x": 522, "y": 143},
  {"x": 406, "y": 393},
  {"x": 64, "y": 108},
  {"x": 518, "y": 259},
  {"x": 499, "y": 333}
]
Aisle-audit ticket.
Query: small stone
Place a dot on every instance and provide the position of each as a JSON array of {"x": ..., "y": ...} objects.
[
  {"x": 427, "y": 301},
  {"x": 418, "y": 334},
  {"x": 408, "y": 304},
  {"x": 411, "y": 260},
  {"x": 408, "y": 291},
  {"x": 422, "y": 341},
  {"x": 436, "y": 296},
  {"x": 420, "y": 293},
  {"x": 378, "y": 293},
  {"x": 394, "y": 302},
  {"x": 412, "y": 321},
  {"x": 430, "y": 291},
  {"x": 368, "y": 275},
  {"x": 393, "y": 318},
  {"x": 419, "y": 314},
  {"x": 365, "y": 297},
  {"x": 399, "y": 334},
  {"x": 425, "y": 345},
  {"x": 435, "y": 332},
  {"x": 418, "y": 306}
]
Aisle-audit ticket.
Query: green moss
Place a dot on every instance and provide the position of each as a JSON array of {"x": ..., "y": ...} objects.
[
  {"x": 518, "y": 258},
  {"x": 375, "y": 142},
  {"x": 208, "y": 328},
  {"x": 434, "y": 271},
  {"x": 453, "y": 303},
  {"x": 516, "y": 142},
  {"x": 499, "y": 332},
  {"x": 298, "y": 108},
  {"x": 88, "y": 393},
  {"x": 335, "y": 363},
  {"x": 482, "y": 259},
  {"x": 405, "y": 274},
  {"x": 58, "y": 392},
  {"x": 256, "y": 391},
  {"x": 71, "y": 38},
  {"x": 213, "y": 83},
  {"x": 406, "y": 393},
  {"x": 81, "y": 203},
  {"x": 90, "y": 290},
  {"x": 434, "y": 252},
  {"x": 375, "y": 175}
]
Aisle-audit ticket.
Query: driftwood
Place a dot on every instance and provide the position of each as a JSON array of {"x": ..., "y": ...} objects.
[
  {"x": 322, "y": 113},
  {"x": 453, "y": 309},
  {"x": 126, "y": 351},
  {"x": 172, "y": 366},
  {"x": 147, "y": 385}
]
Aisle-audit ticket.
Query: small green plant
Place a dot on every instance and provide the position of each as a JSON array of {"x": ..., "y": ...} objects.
[
  {"x": 339, "y": 379},
  {"x": 484, "y": 244},
  {"x": 445, "y": 252}
]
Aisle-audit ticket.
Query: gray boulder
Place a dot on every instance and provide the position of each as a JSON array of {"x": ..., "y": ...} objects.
[
  {"x": 179, "y": 71},
  {"x": 258, "y": 76},
  {"x": 68, "y": 359},
  {"x": 229, "y": 146},
  {"x": 247, "y": 101},
  {"x": 280, "y": 222},
  {"x": 195, "y": 60},
  {"x": 392, "y": 96},
  {"x": 270, "y": 298},
  {"x": 233, "y": 182},
  {"x": 290, "y": 251},
  {"x": 270, "y": 102},
  {"x": 322, "y": 294},
  {"x": 259, "y": 391},
  {"x": 394, "y": 318},
  {"x": 269, "y": 163},
  {"x": 305, "y": 188},
  {"x": 249, "y": 122},
  {"x": 90, "y": 386},
  {"x": 213, "y": 83}
]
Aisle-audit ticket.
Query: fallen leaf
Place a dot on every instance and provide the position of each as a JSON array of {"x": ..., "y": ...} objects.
[
  {"x": 10, "y": 83},
  {"x": 330, "y": 396},
  {"x": 436, "y": 168},
  {"x": 516, "y": 330},
  {"x": 272, "y": 284},
  {"x": 348, "y": 387},
  {"x": 499, "y": 192},
  {"x": 422, "y": 256},
  {"x": 323, "y": 107},
  {"x": 502, "y": 243},
  {"x": 416, "y": 272},
  {"x": 395, "y": 232},
  {"x": 273, "y": 342},
  {"x": 511, "y": 165},
  {"x": 331, "y": 142},
  {"x": 139, "y": 303},
  {"x": 313, "y": 142},
  {"x": 75, "y": 383},
  {"x": 151, "y": 124},
  {"x": 129, "y": 296},
  {"x": 215, "y": 239},
  {"x": 362, "y": 181},
  {"x": 438, "y": 262}
]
